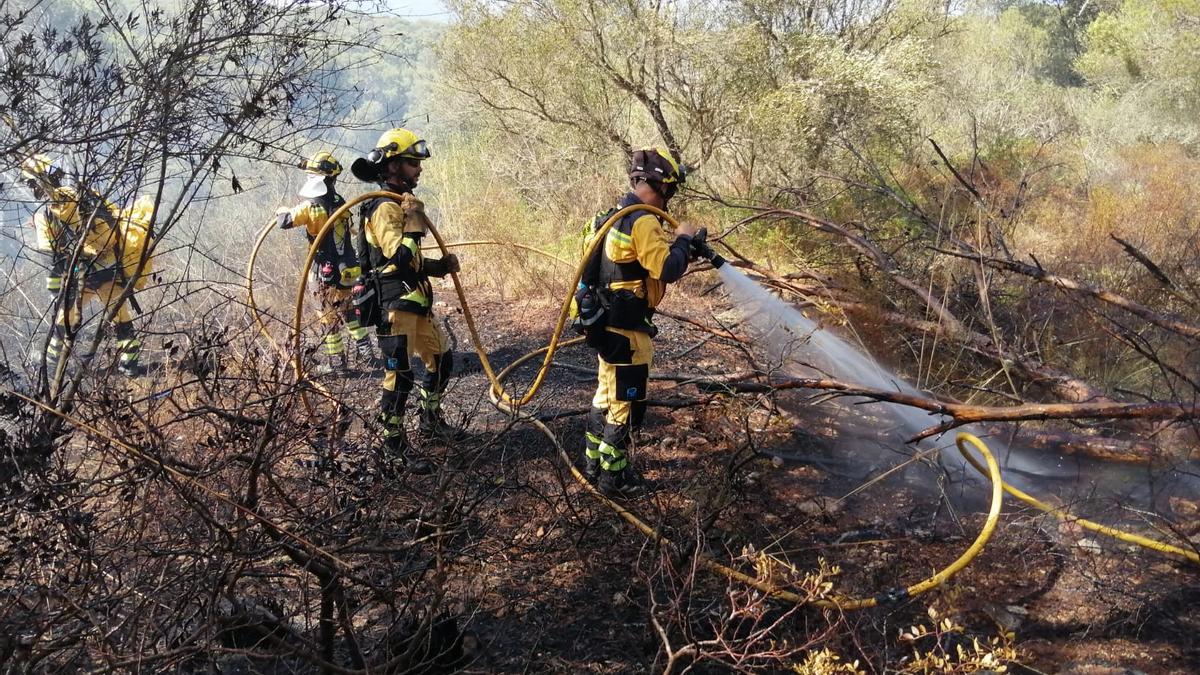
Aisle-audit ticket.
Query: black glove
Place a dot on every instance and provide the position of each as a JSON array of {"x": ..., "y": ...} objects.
[
  {"x": 283, "y": 219},
  {"x": 701, "y": 249},
  {"x": 440, "y": 267}
]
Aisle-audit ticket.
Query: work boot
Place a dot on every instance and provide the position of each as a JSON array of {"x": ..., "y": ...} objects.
[
  {"x": 333, "y": 364},
  {"x": 131, "y": 369},
  {"x": 397, "y": 451},
  {"x": 623, "y": 484},
  {"x": 591, "y": 469},
  {"x": 433, "y": 425}
]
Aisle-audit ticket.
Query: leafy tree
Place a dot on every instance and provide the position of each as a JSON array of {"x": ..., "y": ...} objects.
[
  {"x": 1143, "y": 54},
  {"x": 765, "y": 88}
]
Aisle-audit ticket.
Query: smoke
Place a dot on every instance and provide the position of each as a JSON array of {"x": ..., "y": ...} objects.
[{"x": 16, "y": 205}]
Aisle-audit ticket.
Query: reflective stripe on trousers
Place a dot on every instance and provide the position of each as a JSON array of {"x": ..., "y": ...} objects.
[
  {"x": 357, "y": 332},
  {"x": 130, "y": 350},
  {"x": 334, "y": 344}
]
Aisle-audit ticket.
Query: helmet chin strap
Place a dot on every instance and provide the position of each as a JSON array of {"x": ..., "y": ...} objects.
[
  {"x": 660, "y": 189},
  {"x": 400, "y": 182}
]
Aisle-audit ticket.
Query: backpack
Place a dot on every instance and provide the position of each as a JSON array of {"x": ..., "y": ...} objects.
[
  {"x": 367, "y": 292},
  {"x": 592, "y": 302}
]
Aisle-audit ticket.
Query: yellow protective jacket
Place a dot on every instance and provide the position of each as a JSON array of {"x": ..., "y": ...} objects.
[
  {"x": 391, "y": 235},
  {"x": 636, "y": 263},
  {"x": 109, "y": 235}
]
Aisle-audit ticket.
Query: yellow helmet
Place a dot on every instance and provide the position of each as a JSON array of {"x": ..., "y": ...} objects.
[
  {"x": 322, "y": 163},
  {"x": 656, "y": 164},
  {"x": 41, "y": 170},
  {"x": 393, "y": 143},
  {"x": 398, "y": 143}
]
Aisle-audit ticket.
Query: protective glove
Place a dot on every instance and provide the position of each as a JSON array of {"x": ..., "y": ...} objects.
[
  {"x": 328, "y": 273},
  {"x": 442, "y": 266},
  {"x": 415, "y": 220},
  {"x": 283, "y": 218}
]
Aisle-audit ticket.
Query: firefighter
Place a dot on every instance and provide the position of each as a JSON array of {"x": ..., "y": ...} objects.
[
  {"x": 628, "y": 276},
  {"x": 111, "y": 244},
  {"x": 336, "y": 263},
  {"x": 390, "y": 239}
]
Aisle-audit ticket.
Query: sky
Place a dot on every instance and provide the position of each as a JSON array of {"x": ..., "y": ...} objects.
[{"x": 420, "y": 9}]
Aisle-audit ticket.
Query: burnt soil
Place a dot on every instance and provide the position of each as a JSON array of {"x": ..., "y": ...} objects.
[
  {"x": 558, "y": 582},
  {"x": 548, "y": 578}
]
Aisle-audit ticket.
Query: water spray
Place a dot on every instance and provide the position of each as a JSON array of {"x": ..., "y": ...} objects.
[{"x": 799, "y": 345}]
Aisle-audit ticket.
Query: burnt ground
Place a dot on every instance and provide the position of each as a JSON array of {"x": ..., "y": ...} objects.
[
  {"x": 545, "y": 577},
  {"x": 556, "y": 581}
]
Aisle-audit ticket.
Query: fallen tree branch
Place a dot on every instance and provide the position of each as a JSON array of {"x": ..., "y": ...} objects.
[
  {"x": 1144, "y": 260},
  {"x": 1188, "y": 330},
  {"x": 696, "y": 324},
  {"x": 961, "y": 414},
  {"x": 1098, "y": 447}
]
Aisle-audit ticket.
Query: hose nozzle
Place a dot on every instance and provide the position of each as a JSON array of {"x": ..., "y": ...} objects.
[{"x": 701, "y": 249}]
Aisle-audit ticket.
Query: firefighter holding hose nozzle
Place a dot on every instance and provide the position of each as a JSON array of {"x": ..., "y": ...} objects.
[{"x": 622, "y": 283}]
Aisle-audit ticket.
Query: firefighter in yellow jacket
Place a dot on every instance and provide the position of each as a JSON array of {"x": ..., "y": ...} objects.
[
  {"x": 391, "y": 237},
  {"x": 336, "y": 263},
  {"x": 111, "y": 244},
  {"x": 628, "y": 277}
]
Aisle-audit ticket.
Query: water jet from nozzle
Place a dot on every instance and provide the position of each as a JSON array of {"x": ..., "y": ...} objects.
[{"x": 799, "y": 346}]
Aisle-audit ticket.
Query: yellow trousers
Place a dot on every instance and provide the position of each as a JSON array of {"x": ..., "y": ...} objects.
[
  {"x": 615, "y": 393},
  {"x": 106, "y": 293},
  {"x": 409, "y": 335},
  {"x": 623, "y": 373},
  {"x": 417, "y": 336}
]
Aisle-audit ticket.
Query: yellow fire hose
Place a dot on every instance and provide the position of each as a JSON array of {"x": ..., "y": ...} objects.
[
  {"x": 1129, "y": 537},
  {"x": 256, "y": 316},
  {"x": 512, "y": 405}
]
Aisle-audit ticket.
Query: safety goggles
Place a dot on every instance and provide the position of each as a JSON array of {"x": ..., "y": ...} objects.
[
  {"x": 417, "y": 151},
  {"x": 325, "y": 166}
]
